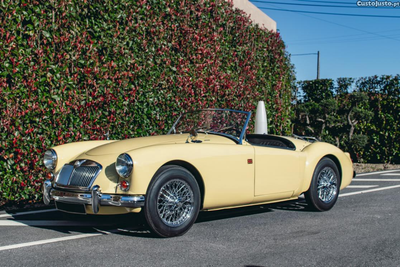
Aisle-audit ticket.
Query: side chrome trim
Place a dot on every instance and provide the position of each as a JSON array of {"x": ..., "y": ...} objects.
[{"x": 95, "y": 198}]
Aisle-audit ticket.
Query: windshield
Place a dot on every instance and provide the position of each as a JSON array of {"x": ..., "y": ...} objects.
[{"x": 230, "y": 123}]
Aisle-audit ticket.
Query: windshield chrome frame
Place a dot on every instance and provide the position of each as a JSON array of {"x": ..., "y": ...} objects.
[{"x": 242, "y": 134}]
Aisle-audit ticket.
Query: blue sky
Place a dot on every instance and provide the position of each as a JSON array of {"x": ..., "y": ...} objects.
[{"x": 349, "y": 46}]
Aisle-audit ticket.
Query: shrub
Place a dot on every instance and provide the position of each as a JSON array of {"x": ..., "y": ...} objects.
[
  {"x": 363, "y": 120},
  {"x": 76, "y": 70}
]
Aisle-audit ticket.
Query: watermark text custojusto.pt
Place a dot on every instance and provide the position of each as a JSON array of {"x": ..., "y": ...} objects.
[{"x": 378, "y": 3}]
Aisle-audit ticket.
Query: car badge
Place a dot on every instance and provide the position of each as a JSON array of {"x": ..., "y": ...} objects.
[{"x": 78, "y": 163}]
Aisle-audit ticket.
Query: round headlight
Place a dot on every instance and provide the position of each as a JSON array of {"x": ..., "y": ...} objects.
[
  {"x": 124, "y": 165},
  {"x": 50, "y": 159}
]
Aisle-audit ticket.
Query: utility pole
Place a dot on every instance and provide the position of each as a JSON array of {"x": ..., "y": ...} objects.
[
  {"x": 308, "y": 54},
  {"x": 318, "y": 65}
]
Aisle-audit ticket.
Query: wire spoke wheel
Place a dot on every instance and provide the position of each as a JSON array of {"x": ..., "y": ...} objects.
[
  {"x": 175, "y": 203},
  {"x": 327, "y": 185}
]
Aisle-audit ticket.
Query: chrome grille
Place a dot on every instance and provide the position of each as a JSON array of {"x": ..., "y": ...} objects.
[
  {"x": 82, "y": 176},
  {"x": 78, "y": 174}
]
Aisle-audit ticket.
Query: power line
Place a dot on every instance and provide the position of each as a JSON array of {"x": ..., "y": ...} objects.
[
  {"x": 327, "y": 2},
  {"x": 297, "y": 4},
  {"x": 362, "y": 35},
  {"x": 328, "y": 13},
  {"x": 349, "y": 27},
  {"x": 338, "y": 41}
]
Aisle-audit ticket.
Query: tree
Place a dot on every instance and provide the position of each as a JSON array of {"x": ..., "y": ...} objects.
[{"x": 383, "y": 128}]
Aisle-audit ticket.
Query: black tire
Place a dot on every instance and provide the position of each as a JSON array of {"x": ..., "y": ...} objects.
[
  {"x": 325, "y": 185},
  {"x": 170, "y": 212}
]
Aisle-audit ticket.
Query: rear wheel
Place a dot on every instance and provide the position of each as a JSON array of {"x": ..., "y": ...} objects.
[
  {"x": 172, "y": 201},
  {"x": 325, "y": 185}
]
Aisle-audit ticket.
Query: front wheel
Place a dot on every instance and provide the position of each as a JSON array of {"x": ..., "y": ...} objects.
[
  {"x": 172, "y": 201},
  {"x": 325, "y": 185}
]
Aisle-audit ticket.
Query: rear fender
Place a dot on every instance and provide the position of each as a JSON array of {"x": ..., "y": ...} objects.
[{"x": 315, "y": 152}]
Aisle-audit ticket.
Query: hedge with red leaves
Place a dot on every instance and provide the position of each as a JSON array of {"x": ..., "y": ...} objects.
[{"x": 73, "y": 70}]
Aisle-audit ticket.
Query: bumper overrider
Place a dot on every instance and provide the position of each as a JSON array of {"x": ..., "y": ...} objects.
[{"x": 94, "y": 197}]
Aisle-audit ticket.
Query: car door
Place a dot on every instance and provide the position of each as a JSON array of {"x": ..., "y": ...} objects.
[
  {"x": 228, "y": 172},
  {"x": 277, "y": 173}
]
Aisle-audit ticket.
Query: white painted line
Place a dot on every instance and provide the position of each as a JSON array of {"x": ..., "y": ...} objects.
[
  {"x": 391, "y": 174},
  {"x": 59, "y": 239},
  {"x": 376, "y": 180},
  {"x": 369, "y": 191},
  {"x": 373, "y": 173},
  {"x": 53, "y": 240},
  {"x": 361, "y": 186},
  {"x": 49, "y": 223},
  {"x": 26, "y": 213}
]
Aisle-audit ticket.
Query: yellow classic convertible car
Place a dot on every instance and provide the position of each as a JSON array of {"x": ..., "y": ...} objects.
[{"x": 205, "y": 162}]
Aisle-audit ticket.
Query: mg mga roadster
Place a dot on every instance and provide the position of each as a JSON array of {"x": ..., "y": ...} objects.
[{"x": 206, "y": 162}]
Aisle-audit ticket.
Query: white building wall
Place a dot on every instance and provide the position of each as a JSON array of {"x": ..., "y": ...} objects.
[{"x": 256, "y": 15}]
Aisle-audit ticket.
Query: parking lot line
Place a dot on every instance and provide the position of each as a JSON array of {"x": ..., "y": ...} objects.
[
  {"x": 47, "y": 241},
  {"x": 361, "y": 186},
  {"x": 369, "y": 191},
  {"x": 49, "y": 223},
  {"x": 373, "y": 173},
  {"x": 376, "y": 180},
  {"x": 25, "y": 213},
  {"x": 391, "y": 174}
]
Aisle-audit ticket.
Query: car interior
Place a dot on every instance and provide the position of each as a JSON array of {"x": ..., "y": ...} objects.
[{"x": 270, "y": 141}]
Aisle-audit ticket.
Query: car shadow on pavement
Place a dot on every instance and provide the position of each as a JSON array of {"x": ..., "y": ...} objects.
[
  {"x": 207, "y": 216},
  {"x": 141, "y": 230},
  {"x": 135, "y": 224},
  {"x": 293, "y": 205}
]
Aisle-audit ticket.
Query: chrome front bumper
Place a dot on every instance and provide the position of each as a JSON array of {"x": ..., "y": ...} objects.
[{"x": 94, "y": 198}]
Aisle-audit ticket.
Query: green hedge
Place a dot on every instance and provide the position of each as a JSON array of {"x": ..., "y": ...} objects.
[
  {"x": 360, "y": 116},
  {"x": 75, "y": 70}
]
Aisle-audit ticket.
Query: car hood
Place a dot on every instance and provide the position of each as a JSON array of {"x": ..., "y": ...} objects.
[{"x": 118, "y": 147}]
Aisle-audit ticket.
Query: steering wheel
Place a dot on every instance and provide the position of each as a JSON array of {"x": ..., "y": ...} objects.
[{"x": 230, "y": 128}]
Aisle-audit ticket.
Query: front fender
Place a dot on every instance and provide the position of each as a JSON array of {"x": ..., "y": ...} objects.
[
  {"x": 68, "y": 152},
  {"x": 227, "y": 176}
]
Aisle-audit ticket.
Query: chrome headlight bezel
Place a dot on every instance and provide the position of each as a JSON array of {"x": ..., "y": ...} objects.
[
  {"x": 50, "y": 159},
  {"x": 124, "y": 165}
]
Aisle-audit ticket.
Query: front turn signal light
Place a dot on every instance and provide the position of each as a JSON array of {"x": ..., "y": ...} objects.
[
  {"x": 50, "y": 176},
  {"x": 124, "y": 185}
]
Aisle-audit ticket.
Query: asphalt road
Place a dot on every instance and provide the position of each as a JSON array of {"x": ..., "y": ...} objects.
[{"x": 363, "y": 229}]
